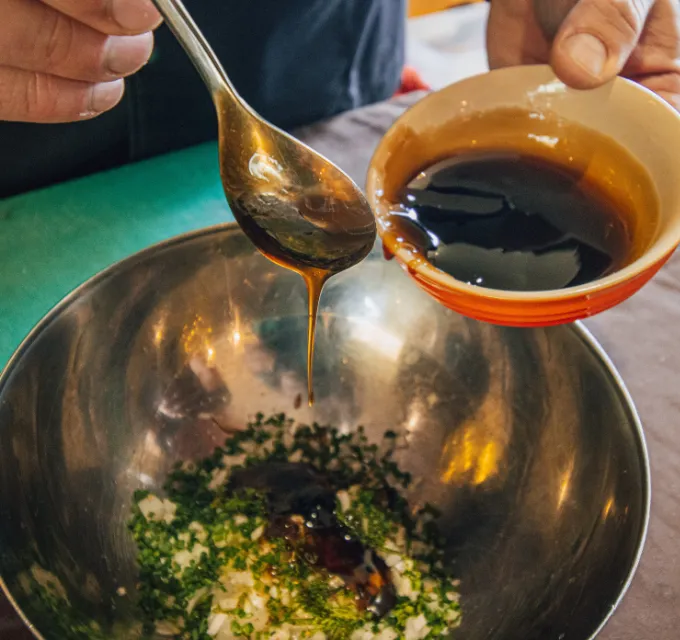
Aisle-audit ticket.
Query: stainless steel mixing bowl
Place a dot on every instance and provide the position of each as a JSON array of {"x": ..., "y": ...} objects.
[{"x": 526, "y": 439}]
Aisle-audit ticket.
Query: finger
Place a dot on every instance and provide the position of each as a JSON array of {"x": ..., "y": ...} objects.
[
  {"x": 26, "y": 96},
  {"x": 38, "y": 38},
  {"x": 666, "y": 85},
  {"x": 672, "y": 99},
  {"x": 114, "y": 17},
  {"x": 513, "y": 36},
  {"x": 596, "y": 39}
]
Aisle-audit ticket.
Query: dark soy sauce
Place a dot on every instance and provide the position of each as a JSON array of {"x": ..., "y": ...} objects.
[
  {"x": 514, "y": 222},
  {"x": 301, "y": 505}
]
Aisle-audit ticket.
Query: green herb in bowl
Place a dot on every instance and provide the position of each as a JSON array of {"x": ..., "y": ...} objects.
[{"x": 292, "y": 531}]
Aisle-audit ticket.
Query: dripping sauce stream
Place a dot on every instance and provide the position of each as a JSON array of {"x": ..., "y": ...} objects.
[{"x": 315, "y": 280}]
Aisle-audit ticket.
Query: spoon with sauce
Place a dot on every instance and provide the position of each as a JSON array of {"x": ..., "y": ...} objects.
[{"x": 298, "y": 208}]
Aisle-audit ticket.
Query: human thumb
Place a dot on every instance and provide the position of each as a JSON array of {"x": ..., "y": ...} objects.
[{"x": 596, "y": 39}]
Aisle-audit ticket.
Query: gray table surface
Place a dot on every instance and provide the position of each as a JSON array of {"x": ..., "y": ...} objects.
[{"x": 642, "y": 336}]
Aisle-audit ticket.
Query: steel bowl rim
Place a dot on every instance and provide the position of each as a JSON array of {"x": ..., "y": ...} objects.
[
  {"x": 232, "y": 227},
  {"x": 604, "y": 358}
]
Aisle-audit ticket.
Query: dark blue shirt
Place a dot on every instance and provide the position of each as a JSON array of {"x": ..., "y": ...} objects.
[{"x": 294, "y": 61}]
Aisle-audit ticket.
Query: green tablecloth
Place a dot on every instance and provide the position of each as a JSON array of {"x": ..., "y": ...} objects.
[{"x": 53, "y": 240}]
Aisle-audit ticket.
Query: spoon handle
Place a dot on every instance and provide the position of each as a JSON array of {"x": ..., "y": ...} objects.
[{"x": 194, "y": 43}]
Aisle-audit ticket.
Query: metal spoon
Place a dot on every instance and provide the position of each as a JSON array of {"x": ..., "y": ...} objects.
[{"x": 296, "y": 206}]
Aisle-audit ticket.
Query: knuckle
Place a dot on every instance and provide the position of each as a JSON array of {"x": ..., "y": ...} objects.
[
  {"x": 674, "y": 84},
  {"x": 58, "y": 40},
  {"x": 28, "y": 96},
  {"x": 6, "y": 92},
  {"x": 36, "y": 100},
  {"x": 630, "y": 15},
  {"x": 67, "y": 48}
]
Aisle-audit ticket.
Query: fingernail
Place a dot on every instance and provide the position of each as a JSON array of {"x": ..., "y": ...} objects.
[
  {"x": 135, "y": 15},
  {"x": 588, "y": 52},
  {"x": 106, "y": 95},
  {"x": 126, "y": 54}
]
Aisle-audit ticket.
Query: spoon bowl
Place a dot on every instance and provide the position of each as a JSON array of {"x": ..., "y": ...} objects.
[{"x": 296, "y": 206}]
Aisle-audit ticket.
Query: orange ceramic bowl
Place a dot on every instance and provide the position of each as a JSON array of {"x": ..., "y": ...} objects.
[{"x": 645, "y": 126}]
